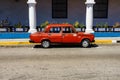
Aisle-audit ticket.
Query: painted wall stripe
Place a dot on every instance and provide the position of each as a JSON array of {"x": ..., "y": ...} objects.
[{"x": 25, "y": 35}]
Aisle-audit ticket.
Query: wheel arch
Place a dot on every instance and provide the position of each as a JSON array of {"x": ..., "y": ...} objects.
[
  {"x": 45, "y": 40},
  {"x": 85, "y": 39}
]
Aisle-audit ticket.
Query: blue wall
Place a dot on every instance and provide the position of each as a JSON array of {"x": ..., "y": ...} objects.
[
  {"x": 16, "y": 35},
  {"x": 107, "y": 34}
]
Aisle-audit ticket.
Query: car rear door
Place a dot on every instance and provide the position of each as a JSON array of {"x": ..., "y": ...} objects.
[
  {"x": 55, "y": 34},
  {"x": 68, "y": 35}
]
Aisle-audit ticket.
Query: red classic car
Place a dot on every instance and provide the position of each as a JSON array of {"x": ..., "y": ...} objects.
[{"x": 61, "y": 33}]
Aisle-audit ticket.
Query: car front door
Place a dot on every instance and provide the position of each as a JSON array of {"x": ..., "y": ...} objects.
[
  {"x": 68, "y": 35},
  {"x": 55, "y": 34}
]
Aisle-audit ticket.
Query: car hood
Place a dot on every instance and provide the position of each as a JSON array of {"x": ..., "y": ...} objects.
[{"x": 83, "y": 33}]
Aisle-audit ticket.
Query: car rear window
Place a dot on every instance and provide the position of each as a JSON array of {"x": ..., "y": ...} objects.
[{"x": 55, "y": 29}]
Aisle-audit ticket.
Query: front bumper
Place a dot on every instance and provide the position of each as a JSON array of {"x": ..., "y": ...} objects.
[{"x": 93, "y": 41}]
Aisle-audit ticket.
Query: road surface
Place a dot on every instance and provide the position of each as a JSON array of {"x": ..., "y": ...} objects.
[{"x": 61, "y": 63}]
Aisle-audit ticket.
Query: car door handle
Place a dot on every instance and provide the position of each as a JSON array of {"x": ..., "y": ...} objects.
[
  {"x": 63, "y": 34},
  {"x": 49, "y": 34}
]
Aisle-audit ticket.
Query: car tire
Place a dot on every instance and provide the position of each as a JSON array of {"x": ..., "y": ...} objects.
[
  {"x": 45, "y": 44},
  {"x": 85, "y": 43}
]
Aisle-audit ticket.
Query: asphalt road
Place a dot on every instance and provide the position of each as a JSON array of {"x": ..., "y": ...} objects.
[{"x": 60, "y": 63}]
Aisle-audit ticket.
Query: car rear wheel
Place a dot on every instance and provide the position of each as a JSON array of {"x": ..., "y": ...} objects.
[
  {"x": 45, "y": 44},
  {"x": 85, "y": 43}
]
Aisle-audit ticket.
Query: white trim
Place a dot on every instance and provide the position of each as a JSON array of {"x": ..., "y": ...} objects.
[
  {"x": 31, "y": 1},
  {"x": 114, "y": 41}
]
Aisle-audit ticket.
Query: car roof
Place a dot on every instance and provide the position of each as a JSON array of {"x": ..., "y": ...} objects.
[
  {"x": 61, "y": 25},
  {"x": 58, "y": 25}
]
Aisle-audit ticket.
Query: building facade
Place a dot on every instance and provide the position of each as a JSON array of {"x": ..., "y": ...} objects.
[{"x": 60, "y": 11}]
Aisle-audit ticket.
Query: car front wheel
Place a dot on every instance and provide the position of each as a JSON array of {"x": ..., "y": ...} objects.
[
  {"x": 85, "y": 43},
  {"x": 45, "y": 44}
]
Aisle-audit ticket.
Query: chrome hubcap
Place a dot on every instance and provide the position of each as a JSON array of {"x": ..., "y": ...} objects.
[
  {"x": 45, "y": 44},
  {"x": 85, "y": 44}
]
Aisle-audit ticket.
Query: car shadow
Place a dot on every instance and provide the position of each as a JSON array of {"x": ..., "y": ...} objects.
[{"x": 66, "y": 46}]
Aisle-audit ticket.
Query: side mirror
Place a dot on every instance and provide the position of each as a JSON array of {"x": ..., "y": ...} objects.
[
  {"x": 76, "y": 31},
  {"x": 46, "y": 31}
]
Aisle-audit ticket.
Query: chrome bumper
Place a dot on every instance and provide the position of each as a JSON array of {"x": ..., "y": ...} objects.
[{"x": 31, "y": 41}]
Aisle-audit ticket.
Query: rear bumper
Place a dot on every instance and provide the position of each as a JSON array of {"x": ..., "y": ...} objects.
[{"x": 31, "y": 41}]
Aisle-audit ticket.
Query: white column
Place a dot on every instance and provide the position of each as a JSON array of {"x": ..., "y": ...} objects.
[
  {"x": 32, "y": 16},
  {"x": 89, "y": 16}
]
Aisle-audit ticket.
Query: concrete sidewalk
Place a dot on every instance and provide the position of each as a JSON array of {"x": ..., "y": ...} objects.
[
  {"x": 15, "y": 42},
  {"x": 19, "y": 42}
]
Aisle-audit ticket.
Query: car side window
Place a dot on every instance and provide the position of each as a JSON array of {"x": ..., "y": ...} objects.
[
  {"x": 55, "y": 30},
  {"x": 67, "y": 30}
]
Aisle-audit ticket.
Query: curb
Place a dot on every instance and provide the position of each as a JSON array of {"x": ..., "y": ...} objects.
[
  {"x": 19, "y": 43},
  {"x": 107, "y": 41},
  {"x": 103, "y": 42},
  {"x": 16, "y": 43}
]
